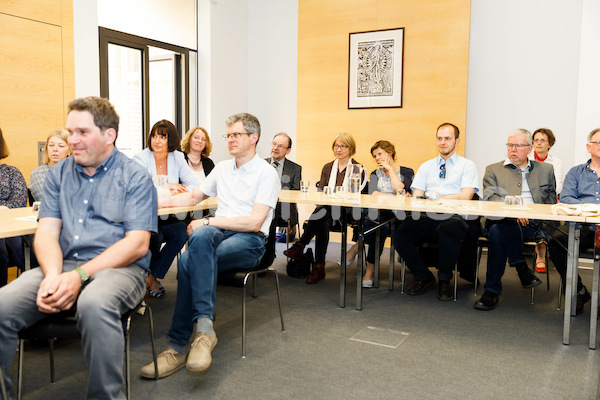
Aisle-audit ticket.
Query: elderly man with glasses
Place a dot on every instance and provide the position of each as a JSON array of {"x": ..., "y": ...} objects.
[
  {"x": 581, "y": 185},
  {"x": 290, "y": 175},
  {"x": 447, "y": 176},
  {"x": 515, "y": 176}
]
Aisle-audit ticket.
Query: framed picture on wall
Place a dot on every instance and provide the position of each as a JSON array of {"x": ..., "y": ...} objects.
[{"x": 375, "y": 69}]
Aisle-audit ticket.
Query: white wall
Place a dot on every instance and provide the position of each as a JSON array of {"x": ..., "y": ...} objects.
[
  {"x": 523, "y": 73},
  {"x": 273, "y": 69},
  {"x": 588, "y": 96},
  {"x": 172, "y": 21},
  {"x": 87, "y": 54}
]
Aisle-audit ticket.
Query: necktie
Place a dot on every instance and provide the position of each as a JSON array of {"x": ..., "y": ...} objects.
[{"x": 275, "y": 164}]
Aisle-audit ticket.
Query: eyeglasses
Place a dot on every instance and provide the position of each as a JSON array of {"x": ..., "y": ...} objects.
[
  {"x": 235, "y": 135},
  {"x": 279, "y": 146},
  {"x": 443, "y": 171},
  {"x": 340, "y": 147},
  {"x": 597, "y": 142},
  {"x": 516, "y": 146},
  {"x": 540, "y": 141}
]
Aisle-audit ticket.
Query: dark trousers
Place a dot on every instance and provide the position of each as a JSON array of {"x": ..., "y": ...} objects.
[
  {"x": 506, "y": 239},
  {"x": 173, "y": 233},
  {"x": 558, "y": 249},
  {"x": 449, "y": 233},
  {"x": 318, "y": 226},
  {"x": 11, "y": 254}
]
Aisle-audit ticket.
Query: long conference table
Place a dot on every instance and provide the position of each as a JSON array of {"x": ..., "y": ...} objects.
[{"x": 21, "y": 221}]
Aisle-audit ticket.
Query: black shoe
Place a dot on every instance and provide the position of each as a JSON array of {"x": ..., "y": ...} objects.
[
  {"x": 445, "y": 292},
  {"x": 527, "y": 277},
  {"x": 487, "y": 302},
  {"x": 419, "y": 287},
  {"x": 581, "y": 300}
]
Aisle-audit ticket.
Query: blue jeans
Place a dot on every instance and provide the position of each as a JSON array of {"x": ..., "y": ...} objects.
[
  {"x": 174, "y": 236},
  {"x": 210, "y": 251},
  {"x": 506, "y": 239},
  {"x": 109, "y": 294}
]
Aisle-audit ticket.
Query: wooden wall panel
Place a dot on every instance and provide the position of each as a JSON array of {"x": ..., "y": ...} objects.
[
  {"x": 436, "y": 48},
  {"x": 37, "y": 80},
  {"x": 48, "y": 11}
]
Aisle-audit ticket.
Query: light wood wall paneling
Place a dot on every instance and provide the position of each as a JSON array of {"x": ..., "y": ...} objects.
[
  {"x": 36, "y": 76},
  {"x": 436, "y": 49},
  {"x": 48, "y": 11}
]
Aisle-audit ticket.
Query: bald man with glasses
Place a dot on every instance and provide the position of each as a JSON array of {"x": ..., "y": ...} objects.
[{"x": 535, "y": 182}]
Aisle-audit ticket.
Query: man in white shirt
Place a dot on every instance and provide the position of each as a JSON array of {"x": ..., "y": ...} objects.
[
  {"x": 451, "y": 177},
  {"x": 248, "y": 189}
]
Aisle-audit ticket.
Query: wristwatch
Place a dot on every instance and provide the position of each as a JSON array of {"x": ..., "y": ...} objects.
[
  {"x": 85, "y": 278},
  {"x": 206, "y": 221}
]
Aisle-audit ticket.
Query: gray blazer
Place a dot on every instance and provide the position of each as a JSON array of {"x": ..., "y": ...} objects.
[
  {"x": 502, "y": 180},
  {"x": 290, "y": 180}
]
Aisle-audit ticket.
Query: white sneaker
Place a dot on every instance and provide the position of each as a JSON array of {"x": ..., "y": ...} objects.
[
  {"x": 169, "y": 361},
  {"x": 367, "y": 283},
  {"x": 199, "y": 357}
]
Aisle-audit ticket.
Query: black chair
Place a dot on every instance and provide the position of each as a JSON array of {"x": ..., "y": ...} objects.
[
  {"x": 240, "y": 277},
  {"x": 529, "y": 248},
  {"x": 64, "y": 326}
]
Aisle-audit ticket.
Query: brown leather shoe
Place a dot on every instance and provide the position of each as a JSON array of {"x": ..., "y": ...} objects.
[
  {"x": 295, "y": 251},
  {"x": 317, "y": 273}
]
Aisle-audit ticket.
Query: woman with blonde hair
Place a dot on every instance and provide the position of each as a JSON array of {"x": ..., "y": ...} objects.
[
  {"x": 196, "y": 147},
  {"x": 56, "y": 149},
  {"x": 335, "y": 173}
]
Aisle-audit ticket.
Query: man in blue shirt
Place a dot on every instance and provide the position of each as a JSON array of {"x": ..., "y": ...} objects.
[
  {"x": 95, "y": 222},
  {"x": 581, "y": 185},
  {"x": 451, "y": 177},
  {"x": 248, "y": 189}
]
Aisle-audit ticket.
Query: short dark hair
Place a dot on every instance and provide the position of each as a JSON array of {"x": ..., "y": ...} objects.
[
  {"x": 3, "y": 146},
  {"x": 250, "y": 122},
  {"x": 104, "y": 113},
  {"x": 547, "y": 132},
  {"x": 386, "y": 146},
  {"x": 456, "y": 131},
  {"x": 287, "y": 136},
  {"x": 164, "y": 128}
]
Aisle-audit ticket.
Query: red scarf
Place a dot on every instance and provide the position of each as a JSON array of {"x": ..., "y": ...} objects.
[{"x": 539, "y": 159}]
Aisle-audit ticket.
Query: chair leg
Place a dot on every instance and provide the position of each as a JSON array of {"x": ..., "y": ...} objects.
[
  {"x": 279, "y": 300},
  {"x": 455, "y": 280},
  {"x": 151, "y": 327},
  {"x": 479, "y": 253},
  {"x": 244, "y": 322},
  {"x": 127, "y": 374},
  {"x": 402, "y": 275},
  {"x": 3, "y": 385},
  {"x": 20, "y": 369},
  {"x": 560, "y": 286},
  {"x": 391, "y": 273}
]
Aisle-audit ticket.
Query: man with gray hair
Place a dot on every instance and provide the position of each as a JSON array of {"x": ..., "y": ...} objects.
[
  {"x": 248, "y": 189},
  {"x": 534, "y": 181}
]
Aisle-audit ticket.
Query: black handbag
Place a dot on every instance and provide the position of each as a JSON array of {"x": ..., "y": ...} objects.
[{"x": 300, "y": 267}]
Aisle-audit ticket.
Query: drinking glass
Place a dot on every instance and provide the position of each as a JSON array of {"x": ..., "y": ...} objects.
[
  {"x": 327, "y": 191},
  {"x": 432, "y": 195},
  {"x": 340, "y": 192},
  {"x": 509, "y": 202},
  {"x": 519, "y": 203},
  {"x": 401, "y": 195},
  {"x": 162, "y": 186},
  {"x": 304, "y": 186}
]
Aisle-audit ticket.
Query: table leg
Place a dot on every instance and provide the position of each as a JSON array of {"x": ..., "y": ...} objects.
[
  {"x": 377, "y": 257},
  {"x": 343, "y": 258},
  {"x": 571, "y": 279},
  {"x": 359, "y": 266},
  {"x": 596, "y": 275}
]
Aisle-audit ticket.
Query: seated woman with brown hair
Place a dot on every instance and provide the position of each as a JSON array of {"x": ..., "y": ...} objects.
[
  {"x": 386, "y": 181},
  {"x": 13, "y": 194},
  {"x": 334, "y": 174}
]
